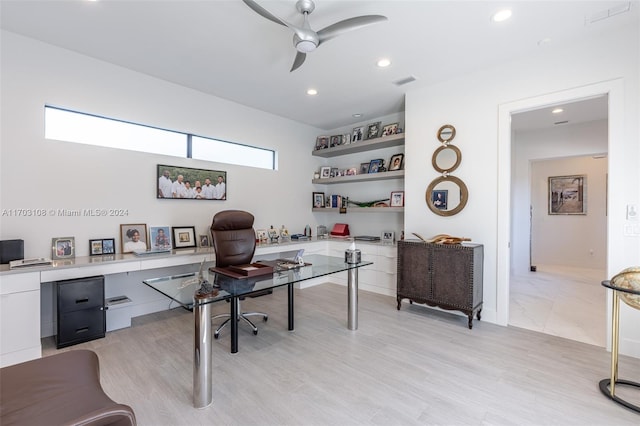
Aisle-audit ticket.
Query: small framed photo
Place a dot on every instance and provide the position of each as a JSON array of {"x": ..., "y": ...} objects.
[
  {"x": 336, "y": 140},
  {"x": 396, "y": 162},
  {"x": 439, "y": 198},
  {"x": 184, "y": 236},
  {"x": 103, "y": 246},
  {"x": 387, "y": 237},
  {"x": 567, "y": 194},
  {"x": 334, "y": 172},
  {"x": 357, "y": 134},
  {"x": 204, "y": 241},
  {"x": 63, "y": 248},
  {"x": 133, "y": 237},
  {"x": 325, "y": 172},
  {"x": 397, "y": 199},
  {"x": 375, "y": 165},
  {"x": 364, "y": 168},
  {"x": 318, "y": 199},
  {"x": 373, "y": 130},
  {"x": 322, "y": 142},
  {"x": 346, "y": 139},
  {"x": 261, "y": 235},
  {"x": 160, "y": 237},
  {"x": 390, "y": 129},
  {"x": 352, "y": 171}
]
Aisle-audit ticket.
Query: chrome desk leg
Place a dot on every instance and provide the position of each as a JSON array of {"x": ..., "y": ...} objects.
[
  {"x": 352, "y": 285},
  {"x": 202, "y": 363}
]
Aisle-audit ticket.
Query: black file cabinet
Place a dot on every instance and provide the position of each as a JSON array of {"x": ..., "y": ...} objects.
[{"x": 81, "y": 311}]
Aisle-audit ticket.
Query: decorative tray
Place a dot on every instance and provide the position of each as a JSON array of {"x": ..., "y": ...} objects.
[{"x": 244, "y": 271}]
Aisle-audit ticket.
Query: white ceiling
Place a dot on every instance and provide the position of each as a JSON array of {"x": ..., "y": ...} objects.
[{"x": 224, "y": 48}]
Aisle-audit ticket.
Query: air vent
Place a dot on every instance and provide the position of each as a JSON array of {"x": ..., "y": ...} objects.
[
  {"x": 561, "y": 122},
  {"x": 608, "y": 13},
  {"x": 404, "y": 81}
]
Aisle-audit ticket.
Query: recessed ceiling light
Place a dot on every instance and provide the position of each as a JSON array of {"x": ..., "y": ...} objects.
[
  {"x": 384, "y": 62},
  {"x": 357, "y": 115},
  {"x": 312, "y": 92},
  {"x": 501, "y": 15},
  {"x": 557, "y": 110}
]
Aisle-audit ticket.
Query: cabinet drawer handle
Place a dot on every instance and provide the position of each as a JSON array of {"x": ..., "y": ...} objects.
[
  {"x": 85, "y": 300},
  {"x": 82, "y": 330}
]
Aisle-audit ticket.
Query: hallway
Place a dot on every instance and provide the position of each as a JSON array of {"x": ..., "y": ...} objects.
[{"x": 562, "y": 301}]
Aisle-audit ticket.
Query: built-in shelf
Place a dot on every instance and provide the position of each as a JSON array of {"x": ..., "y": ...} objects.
[
  {"x": 361, "y": 146},
  {"x": 367, "y": 177},
  {"x": 360, "y": 210}
]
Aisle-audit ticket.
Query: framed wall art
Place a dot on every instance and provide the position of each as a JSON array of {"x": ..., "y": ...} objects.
[
  {"x": 133, "y": 237},
  {"x": 567, "y": 194},
  {"x": 185, "y": 183},
  {"x": 103, "y": 246},
  {"x": 160, "y": 237},
  {"x": 318, "y": 199},
  {"x": 336, "y": 140},
  {"x": 325, "y": 172},
  {"x": 63, "y": 248},
  {"x": 184, "y": 236}
]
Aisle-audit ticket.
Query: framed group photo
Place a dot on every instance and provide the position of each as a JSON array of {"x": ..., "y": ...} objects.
[
  {"x": 396, "y": 199},
  {"x": 390, "y": 129},
  {"x": 184, "y": 236},
  {"x": 103, "y": 246},
  {"x": 133, "y": 237},
  {"x": 318, "y": 199},
  {"x": 160, "y": 237},
  {"x": 63, "y": 248},
  {"x": 186, "y": 183}
]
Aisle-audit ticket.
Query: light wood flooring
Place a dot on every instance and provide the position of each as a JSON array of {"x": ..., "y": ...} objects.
[
  {"x": 416, "y": 366},
  {"x": 562, "y": 301}
]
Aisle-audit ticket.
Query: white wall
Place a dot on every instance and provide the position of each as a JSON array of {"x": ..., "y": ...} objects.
[
  {"x": 571, "y": 240},
  {"x": 472, "y": 104},
  {"x": 45, "y": 174},
  {"x": 528, "y": 146}
]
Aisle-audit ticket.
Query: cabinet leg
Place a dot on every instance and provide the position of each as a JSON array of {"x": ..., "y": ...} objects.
[
  {"x": 471, "y": 321},
  {"x": 478, "y": 314},
  {"x": 399, "y": 302}
]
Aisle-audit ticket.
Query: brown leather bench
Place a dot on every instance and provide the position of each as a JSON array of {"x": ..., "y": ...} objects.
[{"x": 62, "y": 389}]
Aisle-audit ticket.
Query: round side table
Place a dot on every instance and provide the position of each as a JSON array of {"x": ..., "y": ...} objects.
[{"x": 630, "y": 292}]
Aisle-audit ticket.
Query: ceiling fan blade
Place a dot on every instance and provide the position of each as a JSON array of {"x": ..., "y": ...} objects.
[
  {"x": 299, "y": 60},
  {"x": 265, "y": 13},
  {"x": 347, "y": 25}
]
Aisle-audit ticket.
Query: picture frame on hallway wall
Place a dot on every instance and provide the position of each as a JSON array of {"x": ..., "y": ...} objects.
[{"x": 567, "y": 195}]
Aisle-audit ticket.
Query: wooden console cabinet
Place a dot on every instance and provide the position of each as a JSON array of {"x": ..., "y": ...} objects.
[{"x": 446, "y": 276}]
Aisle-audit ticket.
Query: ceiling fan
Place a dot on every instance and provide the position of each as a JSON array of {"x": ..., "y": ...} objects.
[{"x": 306, "y": 40}]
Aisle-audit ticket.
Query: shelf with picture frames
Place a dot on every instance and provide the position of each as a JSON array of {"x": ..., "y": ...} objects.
[
  {"x": 367, "y": 177},
  {"x": 361, "y": 146},
  {"x": 359, "y": 210}
]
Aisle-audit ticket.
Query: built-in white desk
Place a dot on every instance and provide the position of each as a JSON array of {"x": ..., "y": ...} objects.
[{"x": 27, "y": 295}]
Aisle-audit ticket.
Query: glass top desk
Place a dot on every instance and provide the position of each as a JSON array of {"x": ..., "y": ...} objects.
[{"x": 186, "y": 290}]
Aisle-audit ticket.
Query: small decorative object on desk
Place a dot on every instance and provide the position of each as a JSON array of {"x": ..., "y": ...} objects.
[
  {"x": 321, "y": 231},
  {"x": 261, "y": 235},
  {"x": 273, "y": 235},
  {"x": 284, "y": 234}
]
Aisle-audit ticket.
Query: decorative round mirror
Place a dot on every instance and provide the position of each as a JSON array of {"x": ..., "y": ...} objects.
[
  {"x": 446, "y": 195},
  {"x": 446, "y": 133},
  {"x": 446, "y": 158}
]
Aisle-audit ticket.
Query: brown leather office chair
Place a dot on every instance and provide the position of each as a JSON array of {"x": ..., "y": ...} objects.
[{"x": 234, "y": 241}]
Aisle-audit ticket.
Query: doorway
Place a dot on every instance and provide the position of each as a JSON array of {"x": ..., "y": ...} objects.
[{"x": 507, "y": 218}]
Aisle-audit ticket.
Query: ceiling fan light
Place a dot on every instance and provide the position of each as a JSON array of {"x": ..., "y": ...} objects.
[{"x": 305, "y": 46}]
